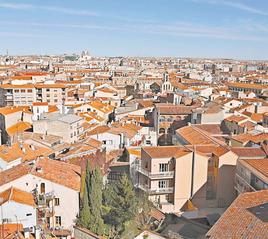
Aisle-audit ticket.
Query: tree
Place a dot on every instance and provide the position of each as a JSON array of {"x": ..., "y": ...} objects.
[
  {"x": 90, "y": 215},
  {"x": 84, "y": 214},
  {"x": 145, "y": 207},
  {"x": 96, "y": 223},
  {"x": 122, "y": 202},
  {"x": 125, "y": 156}
]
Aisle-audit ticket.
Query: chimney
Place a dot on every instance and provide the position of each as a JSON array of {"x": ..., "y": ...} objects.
[
  {"x": 37, "y": 233},
  {"x": 27, "y": 233},
  {"x": 39, "y": 169}
]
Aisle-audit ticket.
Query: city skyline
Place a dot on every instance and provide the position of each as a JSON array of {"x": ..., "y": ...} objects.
[{"x": 187, "y": 28}]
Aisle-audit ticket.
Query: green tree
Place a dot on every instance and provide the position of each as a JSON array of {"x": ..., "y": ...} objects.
[
  {"x": 122, "y": 202},
  {"x": 96, "y": 223},
  {"x": 90, "y": 215},
  {"x": 125, "y": 156},
  {"x": 84, "y": 214},
  {"x": 145, "y": 207}
]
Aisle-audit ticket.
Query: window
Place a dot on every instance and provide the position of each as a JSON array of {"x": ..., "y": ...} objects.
[
  {"x": 29, "y": 214},
  {"x": 162, "y": 119},
  {"x": 16, "y": 91},
  {"x": 30, "y": 91},
  {"x": 22, "y": 91},
  {"x": 146, "y": 165},
  {"x": 162, "y": 184},
  {"x": 57, "y": 201},
  {"x": 42, "y": 188},
  {"x": 170, "y": 119},
  {"x": 47, "y": 90},
  {"x": 162, "y": 131},
  {"x": 163, "y": 167},
  {"x": 58, "y": 220},
  {"x": 148, "y": 141}
]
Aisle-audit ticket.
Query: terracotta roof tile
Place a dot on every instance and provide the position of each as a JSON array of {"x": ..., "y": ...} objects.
[
  {"x": 240, "y": 221},
  {"x": 58, "y": 172},
  {"x": 17, "y": 195},
  {"x": 260, "y": 165},
  {"x": 249, "y": 152},
  {"x": 165, "y": 151}
]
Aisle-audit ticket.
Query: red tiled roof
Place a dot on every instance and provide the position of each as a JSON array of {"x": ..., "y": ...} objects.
[
  {"x": 58, "y": 172},
  {"x": 240, "y": 221},
  {"x": 260, "y": 165},
  {"x": 17, "y": 195},
  {"x": 166, "y": 151},
  {"x": 249, "y": 152}
]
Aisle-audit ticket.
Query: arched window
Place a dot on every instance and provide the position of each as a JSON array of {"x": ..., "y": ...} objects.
[
  {"x": 162, "y": 119},
  {"x": 162, "y": 131},
  {"x": 170, "y": 119},
  {"x": 170, "y": 131}
]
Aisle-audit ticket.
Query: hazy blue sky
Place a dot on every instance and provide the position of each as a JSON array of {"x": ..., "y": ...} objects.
[{"x": 195, "y": 28}]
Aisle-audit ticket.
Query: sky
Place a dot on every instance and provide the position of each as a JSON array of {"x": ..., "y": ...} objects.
[{"x": 182, "y": 28}]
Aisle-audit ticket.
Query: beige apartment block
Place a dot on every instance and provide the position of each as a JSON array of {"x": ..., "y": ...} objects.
[{"x": 171, "y": 175}]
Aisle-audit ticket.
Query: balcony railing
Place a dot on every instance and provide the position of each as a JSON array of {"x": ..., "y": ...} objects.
[
  {"x": 168, "y": 174},
  {"x": 42, "y": 199},
  {"x": 245, "y": 187},
  {"x": 155, "y": 190}
]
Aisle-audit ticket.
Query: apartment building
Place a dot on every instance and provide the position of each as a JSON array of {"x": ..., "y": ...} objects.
[
  {"x": 12, "y": 120},
  {"x": 171, "y": 175},
  {"x": 251, "y": 175},
  {"x": 167, "y": 118},
  {"x": 221, "y": 164},
  {"x": 67, "y": 126},
  {"x": 18, "y": 206},
  {"x": 55, "y": 186},
  {"x": 237, "y": 124},
  {"x": 211, "y": 113},
  {"x": 118, "y": 136},
  {"x": 17, "y": 95},
  {"x": 245, "y": 87},
  {"x": 51, "y": 93}
]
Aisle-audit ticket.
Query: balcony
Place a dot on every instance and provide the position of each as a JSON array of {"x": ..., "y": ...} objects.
[
  {"x": 145, "y": 188},
  {"x": 161, "y": 175},
  {"x": 241, "y": 185},
  {"x": 43, "y": 199}
]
